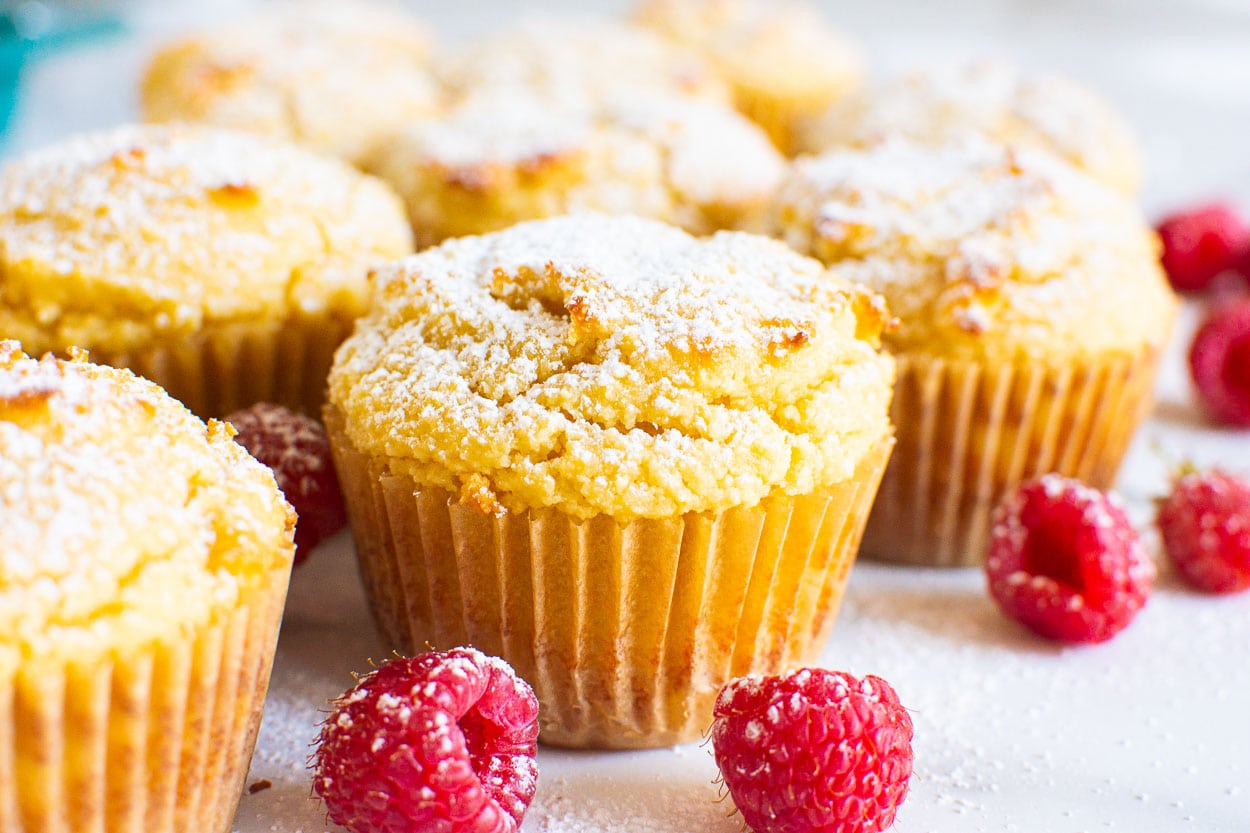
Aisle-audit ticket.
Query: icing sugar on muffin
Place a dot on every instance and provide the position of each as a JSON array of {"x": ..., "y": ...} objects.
[
  {"x": 604, "y": 413},
  {"x": 1033, "y": 314},
  {"x": 498, "y": 159},
  {"x": 138, "y": 614},
  {"x": 576, "y": 60},
  {"x": 993, "y": 99},
  {"x": 335, "y": 76},
  {"x": 784, "y": 63},
  {"x": 225, "y": 266}
]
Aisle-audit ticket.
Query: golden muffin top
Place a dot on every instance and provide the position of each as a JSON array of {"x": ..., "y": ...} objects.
[
  {"x": 497, "y": 160},
  {"x": 783, "y": 61},
  {"x": 123, "y": 518},
  {"x": 993, "y": 99},
  {"x": 983, "y": 251},
  {"x": 615, "y": 365},
  {"x": 576, "y": 60},
  {"x": 335, "y": 76},
  {"x": 113, "y": 239}
]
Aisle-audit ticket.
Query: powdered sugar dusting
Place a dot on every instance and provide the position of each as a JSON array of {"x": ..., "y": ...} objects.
[
  {"x": 993, "y": 99},
  {"x": 162, "y": 227},
  {"x": 556, "y": 361},
  {"x": 981, "y": 248}
]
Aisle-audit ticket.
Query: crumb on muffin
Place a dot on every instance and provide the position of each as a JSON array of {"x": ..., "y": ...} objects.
[
  {"x": 497, "y": 160},
  {"x": 1046, "y": 111},
  {"x": 335, "y": 76},
  {"x": 615, "y": 365},
  {"x": 124, "y": 519},
  {"x": 982, "y": 250}
]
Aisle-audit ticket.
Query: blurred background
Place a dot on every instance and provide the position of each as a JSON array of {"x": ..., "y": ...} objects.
[{"x": 1178, "y": 69}]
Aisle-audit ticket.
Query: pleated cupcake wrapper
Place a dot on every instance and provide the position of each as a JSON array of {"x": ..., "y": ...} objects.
[
  {"x": 154, "y": 742},
  {"x": 968, "y": 433},
  {"x": 625, "y": 630},
  {"x": 228, "y": 366}
]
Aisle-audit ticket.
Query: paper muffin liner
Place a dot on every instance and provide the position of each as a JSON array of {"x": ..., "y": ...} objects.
[
  {"x": 155, "y": 740},
  {"x": 228, "y": 366},
  {"x": 625, "y": 630},
  {"x": 969, "y": 432}
]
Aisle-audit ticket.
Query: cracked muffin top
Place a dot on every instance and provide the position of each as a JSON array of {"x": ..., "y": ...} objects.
[
  {"x": 500, "y": 159},
  {"x": 96, "y": 554},
  {"x": 335, "y": 76},
  {"x": 615, "y": 365},
  {"x": 993, "y": 99},
  {"x": 113, "y": 239},
  {"x": 982, "y": 250}
]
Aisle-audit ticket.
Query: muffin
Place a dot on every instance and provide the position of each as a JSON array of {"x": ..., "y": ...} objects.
[
  {"x": 630, "y": 462},
  {"x": 337, "y": 77},
  {"x": 497, "y": 160},
  {"x": 1033, "y": 312},
  {"x": 783, "y": 62},
  {"x": 224, "y": 266},
  {"x": 1043, "y": 111},
  {"x": 138, "y": 614},
  {"x": 575, "y": 60}
]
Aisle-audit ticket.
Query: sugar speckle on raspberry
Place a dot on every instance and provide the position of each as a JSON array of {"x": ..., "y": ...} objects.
[
  {"x": 1065, "y": 561},
  {"x": 1200, "y": 243},
  {"x": 813, "y": 751},
  {"x": 439, "y": 742},
  {"x": 296, "y": 448},
  {"x": 1205, "y": 524},
  {"x": 1219, "y": 361}
]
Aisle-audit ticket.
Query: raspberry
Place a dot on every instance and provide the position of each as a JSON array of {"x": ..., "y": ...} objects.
[
  {"x": 1065, "y": 562},
  {"x": 1200, "y": 244},
  {"x": 1242, "y": 265},
  {"x": 296, "y": 448},
  {"x": 1219, "y": 361},
  {"x": 1205, "y": 523},
  {"x": 813, "y": 751},
  {"x": 442, "y": 742}
]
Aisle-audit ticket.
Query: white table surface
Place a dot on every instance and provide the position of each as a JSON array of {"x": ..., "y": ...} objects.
[{"x": 1150, "y": 732}]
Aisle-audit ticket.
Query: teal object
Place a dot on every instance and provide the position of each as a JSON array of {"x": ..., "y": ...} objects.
[
  {"x": 31, "y": 29},
  {"x": 12, "y": 51}
]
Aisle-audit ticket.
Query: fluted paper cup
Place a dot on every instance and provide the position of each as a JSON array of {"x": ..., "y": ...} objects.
[
  {"x": 626, "y": 631},
  {"x": 156, "y": 739},
  {"x": 228, "y": 366},
  {"x": 969, "y": 433}
]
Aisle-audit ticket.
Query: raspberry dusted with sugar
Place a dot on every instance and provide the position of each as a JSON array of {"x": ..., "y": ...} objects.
[
  {"x": 1219, "y": 360},
  {"x": 1205, "y": 523},
  {"x": 1065, "y": 561},
  {"x": 1200, "y": 244},
  {"x": 442, "y": 742},
  {"x": 296, "y": 448},
  {"x": 813, "y": 751}
]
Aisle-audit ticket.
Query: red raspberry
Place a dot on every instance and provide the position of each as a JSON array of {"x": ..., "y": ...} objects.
[
  {"x": 441, "y": 743},
  {"x": 1200, "y": 244},
  {"x": 1205, "y": 523},
  {"x": 1065, "y": 561},
  {"x": 813, "y": 751},
  {"x": 1219, "y": 361},
  {"x": 1242, "y": 265},
  {"x": 296, "y": 448}
]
